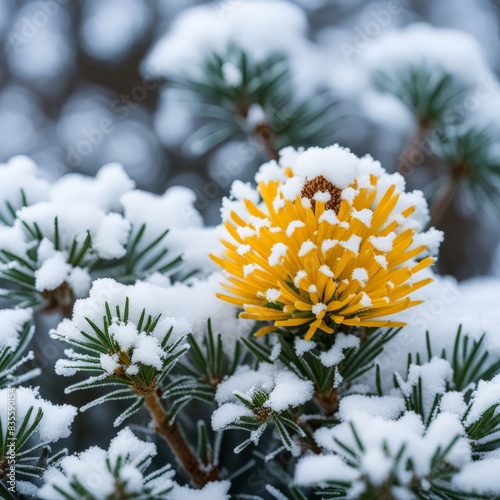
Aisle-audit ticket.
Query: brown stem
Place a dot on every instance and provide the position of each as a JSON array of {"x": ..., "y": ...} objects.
[
  {"x": 442, "y": 201},
  {"x": 328, "y": 401},
  {"x": 267, "y": 138},
  {"x": 416, "y": 152},
  {"x": 200, "y": 475},
  {"x": 61, "y": 299}
]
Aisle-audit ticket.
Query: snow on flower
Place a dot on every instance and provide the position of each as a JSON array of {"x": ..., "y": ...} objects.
[{"x": 340, "y": 267}]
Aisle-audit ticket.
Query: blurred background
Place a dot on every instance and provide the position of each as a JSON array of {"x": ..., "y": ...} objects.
[{"x": 86, "y": 82}]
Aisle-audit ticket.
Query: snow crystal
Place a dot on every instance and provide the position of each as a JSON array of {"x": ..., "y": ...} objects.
[
  {"x": 245, "y": 380},
  {"x": 306, "y": 202},
  {"x": 228, "y": 414},
  {"x": 432, "y": 239},
  {"x": 377, "y": 466},
  {"x": 104, "y": 190},
  {"x": 434, "y": 377},
  {"x": 295, "y": 224},
  {"x": 273, "y": 294},
  {"x": 290, "y": 391},
  {"x": 486, "y": 395},
  {"x": 302, "y": 346},
  {"x": 329, "y": 216},
  {"x": 148, "y": 351},
  {"x": 348, "y": 194},
  {"x": 318, "y": 308},
  {"x": 382, "y": 260},
  {"x": 243, "y": 249},
  {"x": 336, "y": 164},
  {"x": 20, "y": 175},
  {"x": 217, "y": 490},
  {"x": 360, "y": 274},
  {"x": 111, "y": 237},
  {"x": 79, "y": 280},
  {"x": 335, "y": 354},
  {"x": 173, "y": 211},
  {"x": 479, "y": 477},
  {"x": 453, "y": 402},
  {"x": 126, "y": 335},
  {"x": 239, "y": 192},
  {"x": 270, "y": 171},
  {"x": 109, "y": 363},
  {"x": 91, "y": 469},
  {"x": 306, "y": 247},
  {"x": 52, "y": 273},
  {"x": 278, "y": 251},
  {"x": 315, "y": 469},
  {"x": 365, "y": 216},
  {"x": 292, "y": 188},
  {"x": 248, "y": 269},
  {"x": 352, "y": 244},
  {"x": 56, "y": 421},
  {"x": 299, "y": 277},
  {"x": 387, "y": 407},
  {"x": 383, "y": 243},
  {"x": 328, "y": 244},
  {"x": 12, "y": 322},
  {"x": 324, "y": 269},
  {"x": 391, "y": 437},
  {"x": 323, "y": 196},
  {"x": 275, "y": 352}
]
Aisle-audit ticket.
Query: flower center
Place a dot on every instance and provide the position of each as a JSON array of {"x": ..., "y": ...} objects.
[{"x": 321, "y": 185}]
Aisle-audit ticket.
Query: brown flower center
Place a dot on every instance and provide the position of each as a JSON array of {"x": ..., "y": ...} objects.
[{"x": 320, "y": 184}]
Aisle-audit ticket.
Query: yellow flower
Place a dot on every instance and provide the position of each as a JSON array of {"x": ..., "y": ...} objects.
[{"x": 324, "y": 258}]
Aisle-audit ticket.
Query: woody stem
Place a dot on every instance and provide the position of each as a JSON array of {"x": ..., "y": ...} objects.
[{"x": 200, "y": 474}]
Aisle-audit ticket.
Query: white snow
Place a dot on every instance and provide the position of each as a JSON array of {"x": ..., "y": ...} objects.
[
  {"x": 486, "y": 395},
  {"x": 290, "y": 391},
  {"x": 99, "y": 470},
  {"x": 387, "y": 407},
  {"x": 336, "y": 354},
  {"x": 12, "y": 322},
  {"x": 433, "y": 376},
  {"x": 20, "y": 175},
  {"x": 52, "y": 273},
  {"x": 317, "y": 469},
  {"x": 246, "y": 380},
  {"x": 228, "y": 414},
  {"x": 111, "y": 237},
  {"x": 278, "y": 252},
  {"x": 335, "y": 163},
  {"x": 479, "y": 477},
  {"x": 104, "y": 190},
  {"x": 217, "y": 490},
  {"x": 56, "y": 421},
  {"x": 292, "y": 188},
  {"x": 444, "y": 49},
  {"x": 148, "y": 352}
]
